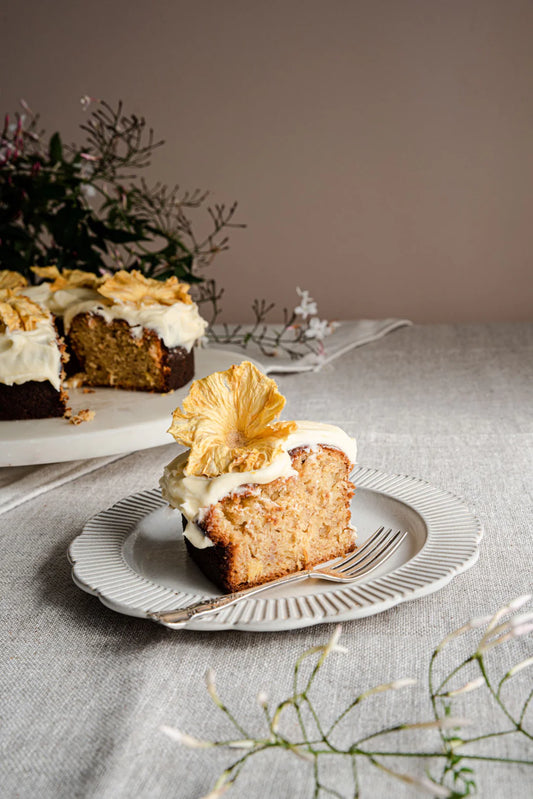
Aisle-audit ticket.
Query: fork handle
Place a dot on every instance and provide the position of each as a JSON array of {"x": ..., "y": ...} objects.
[{"x": 179, "y": 618}]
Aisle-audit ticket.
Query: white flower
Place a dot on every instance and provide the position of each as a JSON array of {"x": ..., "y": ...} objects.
[
  {"x": 515, "y": 632},
  {"x": 307, "y": 306},
  {"x": 389, "y": 686},
  {"x": 211, "y": 686},
  {"x": 520, "y": 666},
  {"x": 448, "y": 723},
  {"x": 333, "y": 643},
  {"x": 88, "y": 190},
  {"x": 422, "y": 783},
  {"x": 318, "y": 328},
  {"x": 216, "y": 793},
  {"x": 469, "y": 686},
  {"x": 5, "y": 153},
  {"x": 86, "y": 169},
  {"x": 473, "y": 624},
  {"x": 246, "y": 743},
  {"x": 12, "y": 127},
  {"x": 86, "y": 101},
  {"x": 185, "y": 739}
]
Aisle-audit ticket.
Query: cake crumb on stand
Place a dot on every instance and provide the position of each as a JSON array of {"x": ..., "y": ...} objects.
[{"x": 84, "y": 415}]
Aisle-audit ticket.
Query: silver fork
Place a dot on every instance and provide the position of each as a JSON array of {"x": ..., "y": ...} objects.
[{"x": 375, "y": 551}]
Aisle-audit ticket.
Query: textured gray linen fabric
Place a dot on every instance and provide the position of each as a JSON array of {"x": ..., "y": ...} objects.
[
  {"x": 85, "y": 689},
  {"x": 18, "y": 484}
]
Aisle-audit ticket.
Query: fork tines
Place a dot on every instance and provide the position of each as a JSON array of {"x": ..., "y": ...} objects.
[{"x": 382, "y": 543}]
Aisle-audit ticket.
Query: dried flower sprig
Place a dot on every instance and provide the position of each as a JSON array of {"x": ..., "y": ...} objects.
[
  {"x": 301, "y": 333},
  {"x": 456, "y": 753}
]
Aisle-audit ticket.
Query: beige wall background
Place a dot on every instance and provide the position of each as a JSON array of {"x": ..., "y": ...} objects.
[{"x": 381, "y": 152}]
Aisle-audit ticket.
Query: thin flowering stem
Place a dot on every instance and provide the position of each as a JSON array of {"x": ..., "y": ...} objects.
[
  {"x": 453, "y": 755},
  {"x": 316, "y": 719},
  {"x": 355, "y": 775},
  {"x": 518, "y": 622},
  {"x": 516, "y": 722},
  {"x": 525, "y": 707},
  {"x": 437, "y": 691},
  {"x": 355, "y": 751},
  {"x": 301, "y": 695},
  {"x": 378, "y": 689},
  {"x": 487, "y": 735},
  {"x": 211, "y": 688},
  {"x": 417, "y": 782},
  {"x": 514, "y": 670},
  {"x": 440, "y": 724},
  {"x": 472, "y": 624},
  {"x": 505, "y": 635},
  {"x": 187, "y": 740},
  {"x": 433, "y": 692}
]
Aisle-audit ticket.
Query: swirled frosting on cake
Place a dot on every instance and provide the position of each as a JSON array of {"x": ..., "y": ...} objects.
[
  {"x": 162, "y": 306},
  {"x": 178, "y": 325},
  {"x": 28, "y": 342},
  {"x": 192, "y": 495}
]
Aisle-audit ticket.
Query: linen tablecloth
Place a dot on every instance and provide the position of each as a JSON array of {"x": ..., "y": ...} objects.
[{"x": 85, "y": 690}]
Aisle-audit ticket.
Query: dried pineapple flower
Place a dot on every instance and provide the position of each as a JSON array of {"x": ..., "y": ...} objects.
[
  {"x": 18, "y": 312},
  {"x": 134, "y": 287},
  {"x": 67, "y": 278},
  {"x": 11, "y": 280},
  {"x": 228, "y": 422}
]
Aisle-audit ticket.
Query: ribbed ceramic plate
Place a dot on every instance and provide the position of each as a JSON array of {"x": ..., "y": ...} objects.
[{"x": 133, "y": 558}]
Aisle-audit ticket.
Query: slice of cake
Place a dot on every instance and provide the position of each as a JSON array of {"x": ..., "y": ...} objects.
[
  {"x": 31, "y": 360},
  {"x": 124, "y": 330},
  {"x": 260, "y": 498}
]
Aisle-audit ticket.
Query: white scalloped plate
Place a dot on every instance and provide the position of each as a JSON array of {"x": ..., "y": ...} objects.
[{"x": 133, "y": 558}]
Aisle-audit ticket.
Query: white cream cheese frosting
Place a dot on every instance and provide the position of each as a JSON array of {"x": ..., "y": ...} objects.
[
  {"x": 30, "y": 355},
  {"x": 309, "y": 434},
  {"x": 58, "y": 302},
  {"x": 192, "y": 495},
  {"x": 178, "y": 325}
]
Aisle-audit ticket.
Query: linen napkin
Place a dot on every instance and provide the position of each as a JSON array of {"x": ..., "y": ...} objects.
[
  {"x": 345, "y": 336},
  {"x": 19, "y": 484}
]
